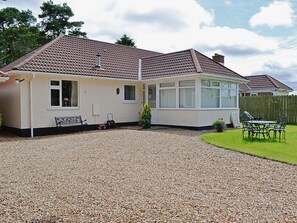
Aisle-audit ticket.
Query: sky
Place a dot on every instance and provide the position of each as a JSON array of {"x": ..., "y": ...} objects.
[{"x": 255, "y": 36}]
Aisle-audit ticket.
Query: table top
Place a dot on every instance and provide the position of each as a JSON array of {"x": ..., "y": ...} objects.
[{"x": 261, "y": 122}]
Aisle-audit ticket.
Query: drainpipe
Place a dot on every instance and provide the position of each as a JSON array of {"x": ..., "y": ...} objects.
[{"x": 31, "y": 106}]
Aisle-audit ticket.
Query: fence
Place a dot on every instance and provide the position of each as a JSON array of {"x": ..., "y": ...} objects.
[{"x": 269, "y": 107}]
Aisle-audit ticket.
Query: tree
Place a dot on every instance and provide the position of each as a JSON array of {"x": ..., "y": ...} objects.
[
  {"x": 55, "y": 20},
  {"x": 126, "y": 40},
  {"x": 19, "y": 34}
]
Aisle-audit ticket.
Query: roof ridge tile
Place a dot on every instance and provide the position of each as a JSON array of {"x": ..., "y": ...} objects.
[
  {"x": 273, "y": 81},
  {"x": 195, "y": 61}
]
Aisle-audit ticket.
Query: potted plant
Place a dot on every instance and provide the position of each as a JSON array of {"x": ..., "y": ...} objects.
[{"x": 219, "y": 125}]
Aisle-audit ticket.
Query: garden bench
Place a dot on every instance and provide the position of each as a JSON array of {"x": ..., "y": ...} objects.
[{"x": 71, "y": 121}]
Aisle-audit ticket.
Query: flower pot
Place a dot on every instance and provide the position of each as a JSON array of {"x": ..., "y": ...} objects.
[{"x": 220, "y": 128}]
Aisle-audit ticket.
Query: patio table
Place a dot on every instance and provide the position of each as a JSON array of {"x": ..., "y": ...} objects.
[
  {"x": 261, "y": 122},
  {"x": 259, "y": 127}
]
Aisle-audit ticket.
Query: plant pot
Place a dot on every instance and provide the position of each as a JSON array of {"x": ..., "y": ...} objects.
[{"x": 220, "y": 128}]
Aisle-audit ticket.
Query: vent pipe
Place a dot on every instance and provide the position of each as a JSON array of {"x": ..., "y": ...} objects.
[{"x": 98, "y": 60}]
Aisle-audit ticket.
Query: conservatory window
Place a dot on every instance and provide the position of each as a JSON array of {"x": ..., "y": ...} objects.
[
  {"x": 187, "y": 94},
  {"x": 167, "y": 95}
]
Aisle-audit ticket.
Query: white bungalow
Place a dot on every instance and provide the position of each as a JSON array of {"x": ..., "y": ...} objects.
[{"x": 74, "y": 76}]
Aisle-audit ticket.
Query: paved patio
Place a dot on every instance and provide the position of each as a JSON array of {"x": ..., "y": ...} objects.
[{"x": 125, "y": 175}]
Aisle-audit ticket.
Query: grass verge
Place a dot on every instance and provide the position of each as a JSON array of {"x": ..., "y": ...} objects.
[{"x": 284, "y": 151}]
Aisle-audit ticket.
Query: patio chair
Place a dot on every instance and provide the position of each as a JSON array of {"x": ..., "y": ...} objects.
[
  {"x": 280, "y": 128},
  {"x": 249, "y": 127}
]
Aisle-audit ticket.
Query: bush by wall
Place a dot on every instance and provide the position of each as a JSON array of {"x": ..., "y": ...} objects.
[{"x": 145, "y": 116}]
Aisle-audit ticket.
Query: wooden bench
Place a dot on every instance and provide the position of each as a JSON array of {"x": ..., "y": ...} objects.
[{"x": 71, "y": 121}]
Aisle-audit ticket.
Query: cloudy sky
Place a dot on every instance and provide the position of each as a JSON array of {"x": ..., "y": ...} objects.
[{"x": 256, "y": 37}]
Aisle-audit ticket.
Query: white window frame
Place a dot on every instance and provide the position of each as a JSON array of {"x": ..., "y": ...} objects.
[
  {"x": 187, "y": 87},
  {"x": 53, "y": 87},
  {"x": 211, "y": 87},
  {"x": 220, "y": 88},
  {"x": 228, "y": 87},
  {"x": 130, "y": 101},
  {"x": 161, "y": 88}
]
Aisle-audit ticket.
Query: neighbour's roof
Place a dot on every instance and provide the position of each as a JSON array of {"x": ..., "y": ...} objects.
[
  {"x": 77, "y": 56},
  {"x": 263, "y": 82}
]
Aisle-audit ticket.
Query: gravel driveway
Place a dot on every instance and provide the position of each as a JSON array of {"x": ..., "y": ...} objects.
[{"x": 165, "y": 175}]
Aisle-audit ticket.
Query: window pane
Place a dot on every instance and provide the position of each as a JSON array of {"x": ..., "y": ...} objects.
[
  {"x": 168, "y": 98},
  {"x": 187, "y": 83},
  {"x": 233, "y": 86},
  {"x": 187, "y": 97},
  {"x": 129, "y": 92},
  {"x": 170, "y": 84},
  {"x": 205, "y": 83},
  {"x": 55, "y": 83},
  {"x": 143, "y": 94},
  {"x": 229, "y": 98},
  {"x": 69, "y": 94},
  {"x": 210, "y": 98},
  {"x": 55, "y": 97},
  {"x": 152, "y": 96},
  {"x": 215, "y": 84}
]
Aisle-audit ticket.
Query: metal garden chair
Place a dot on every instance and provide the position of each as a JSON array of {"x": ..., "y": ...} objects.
[{"x": 280, "y": 128}]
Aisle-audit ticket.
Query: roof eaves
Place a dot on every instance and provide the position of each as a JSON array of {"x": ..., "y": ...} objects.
[{"x": 239, "y": 79}]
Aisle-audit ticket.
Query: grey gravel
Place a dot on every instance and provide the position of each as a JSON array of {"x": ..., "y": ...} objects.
[{"x": 124, "y": 175}]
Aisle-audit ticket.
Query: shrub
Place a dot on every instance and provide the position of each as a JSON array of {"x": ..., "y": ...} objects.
[{"x": 145, "y": 116}]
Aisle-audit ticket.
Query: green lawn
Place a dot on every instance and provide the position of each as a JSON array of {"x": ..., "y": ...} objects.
[{"x": 284, "y": 151}]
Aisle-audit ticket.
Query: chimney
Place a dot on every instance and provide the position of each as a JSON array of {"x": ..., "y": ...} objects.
[{"x": 219, "y": 58}]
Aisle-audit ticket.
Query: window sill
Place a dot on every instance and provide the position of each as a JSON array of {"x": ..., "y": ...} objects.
[
  {"x": 63, "y": 108},
  {"x": 129, "y": 102},
  {"x": 194, "y": 109},
  {"x": 209, "y": 109}
]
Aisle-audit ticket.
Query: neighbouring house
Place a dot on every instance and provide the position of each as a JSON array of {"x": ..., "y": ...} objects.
[
  {"x": 263, "y": 85},
  {"x": 75, "y": 76}
]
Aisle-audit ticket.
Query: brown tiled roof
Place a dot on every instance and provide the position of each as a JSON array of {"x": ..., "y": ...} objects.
[
  {"x": 77, "y": 56},
  {"x": 265, "y": 82},
  {"x": 244, "y": 87},
  {"x": 168, "y": 65},
  {"x": 212, "y": 67},
  {"x": 182, "y": 63}
]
